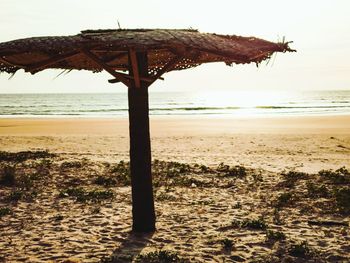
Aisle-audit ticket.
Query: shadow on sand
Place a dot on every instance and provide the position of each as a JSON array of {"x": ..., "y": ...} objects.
[{"x": 130, "y": 248}]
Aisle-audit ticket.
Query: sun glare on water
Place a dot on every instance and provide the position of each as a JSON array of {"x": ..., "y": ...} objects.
[
  {"x": 244, "y": 99},
  {"x": 245, "y": 102}
]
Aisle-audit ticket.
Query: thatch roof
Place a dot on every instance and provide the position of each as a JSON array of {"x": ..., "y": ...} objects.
[{"x": 112, "y": 46}]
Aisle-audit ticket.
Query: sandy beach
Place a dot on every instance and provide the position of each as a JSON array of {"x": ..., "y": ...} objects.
[
  {"x": 206, "y": 220},
  {"x": 276, "y": 143}
]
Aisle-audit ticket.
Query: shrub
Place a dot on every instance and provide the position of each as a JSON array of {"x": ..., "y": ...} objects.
[
  {"x": 8, "y": 177},
  {"x": 19, "y": 194},
  {"x": 170, "y": 169},
  {"x": 105, "y": 181},
  {"x": 235, "y": 171},
  {"x": 300, "y": 250},
  {"x": 227, "y": 243},
  {"x": 4, "y": 211},
  {"x": 339, "y": 176},
  {"x": 121, "y": 171},
  {"x": 58, "y": 218},
  {"x": 258, "y": 224},
  {"x": 15, "y": 196},
  {"x": 162, "y": 196},
  {"x": 254, "y": 224},
  {"x": 292, "y": 177},
  {"x": 116, "y": 258},
  {"x": 315, "y": 191},
  {"x": 43, "y": 167},
  {"x": 342, "y": 197},
  {"x": 25, "y": 155},
  {"x": 284, "y": 199},
  {"x": 82, "y": 195},
  {"x": 273, "y": 236},
  {"x": 277, "y": 217},
  {"x": 237, "y": 205},
  {"x": 25, "y": 181},
  {"x": 257, "y": 177},
  {"x": 71, "y": 165},
  {"x": 161, "y": 256},
  {"x": 183, "y": 181},
  {"x": 204, "y": 169}
]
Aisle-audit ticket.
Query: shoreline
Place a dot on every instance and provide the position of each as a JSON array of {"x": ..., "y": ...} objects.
[
  {"x": 181, "y": 116},
  {"x": 175, "y": 125}
]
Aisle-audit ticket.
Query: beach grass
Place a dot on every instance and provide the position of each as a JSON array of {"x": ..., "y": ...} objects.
[{"x": 207, "y": 207}]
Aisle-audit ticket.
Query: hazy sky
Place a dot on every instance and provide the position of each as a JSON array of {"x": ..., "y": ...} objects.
[{"x": 320, "y": 30}]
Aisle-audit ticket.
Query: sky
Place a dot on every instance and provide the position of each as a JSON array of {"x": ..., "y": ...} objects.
[{"x": 320, "y": 30}]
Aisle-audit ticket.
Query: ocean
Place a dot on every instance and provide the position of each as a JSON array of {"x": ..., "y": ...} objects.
[{"x": 223, "y": 103}]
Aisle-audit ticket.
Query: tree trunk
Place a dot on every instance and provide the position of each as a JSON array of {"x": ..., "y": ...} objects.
[{"x": 140, "y": 152}]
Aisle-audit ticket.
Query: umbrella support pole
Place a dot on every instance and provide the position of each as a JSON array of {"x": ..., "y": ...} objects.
[{"x": 140, "y": 149}]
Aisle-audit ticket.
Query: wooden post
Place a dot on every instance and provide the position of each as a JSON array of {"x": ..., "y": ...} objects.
[{"x": 140, "y": 147}]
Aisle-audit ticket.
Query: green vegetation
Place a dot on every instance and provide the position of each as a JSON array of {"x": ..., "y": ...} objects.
[
  {"x": 96, "y": 210},
  {"x": 105, "y": 181},
  {"x": 253, "y": 224},
  {"x": 301, "y": 249},
  {"x": 181, "y": 181},
  {"x": 4, "y": 211},
  {"x": 81, "y": 181},
  {"x": 277, "y": 217},
  {"x": 315, "y": 191},
  {"x": 24, "y": 177},
  {"x": 257, "y": 177},
  {"x": 170, "y": 169},
  {"x": 332, "y": 185},
  {"x": 43, "y": 168},
  {"x": 339, "y": 176},
  {"x": 274, "y": 236},
  {"x": 18, "y": 194},
  {"x": 121, "y": 173},
  {"x": 328, "y": 184},
  {"x": 7, "y": 176},
  {"x": 15, "y": 196},
  {"x": 23, "y": 156},
  {"x": 164, "y": 174},
  {"x": 284, "y": 199},
  {"x": 161, "y": 256},
  {"x": 82, "y": 195},
  {"x": 170, "y": 174},
  {"x": 235, "y": 171},
  {"x": 26, "y": 182},
  {"x": 58, "y": 217},
  {"x": 204, "y": 169},
  {"x": 22, "y": 181},
  {"x": 295, "y": 252},
  {"x": 227, "y": 244},
  {"x": 257, "y": 224},
  {"x": 291, "y": 177},
  {"x": 117, "y": 258},
  {"x": 342, "y": 197},
  {"x": 71, "y": 165},
  {"x": 163, "y": 196},
  {"x": 237, "y": 205}
]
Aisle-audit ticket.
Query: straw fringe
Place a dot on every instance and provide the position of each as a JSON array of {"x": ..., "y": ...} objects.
[{"x": 111, "y": 46}]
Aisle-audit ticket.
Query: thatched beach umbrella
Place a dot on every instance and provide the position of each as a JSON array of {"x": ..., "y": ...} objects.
[{"x": 146, "y": 54}]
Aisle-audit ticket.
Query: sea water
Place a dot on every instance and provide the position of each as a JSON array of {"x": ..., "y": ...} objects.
[{"x": 223, "y": 103}]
